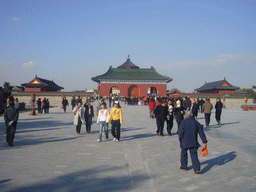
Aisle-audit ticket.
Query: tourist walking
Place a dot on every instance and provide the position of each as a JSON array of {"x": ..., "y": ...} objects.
[
  {"x": 161, "y": 112},
  {"x": 64, "y": 104},
  {"x": 88, "y": 115},
  {"x": 16, "y": 104},
  {"x": 151, "y": 106},
  {"x": 103, "y": 121},
  {"x": 73, "y": 102},
  {"x": 170, "y": 117},
  {"x": 39, "y": 105},
  {"x": 11, "y": 116},
  {"x": 116, "y": 119},
  {"x": 207, "y": 108},
  {"x": 194, "y": 108},
  {"x": 218, "y": 107},
  {"x": 188, "y": 137},
  {"x": 47, "y": 105},
  {"x": 186, "y": 103},
  {"x": 179, "y": 111},
  {"x": 200, "y": 103},
  {"x": 79, "y": 100},
  {"x": 78, "y": 112},
  {"x": 44, "y": 108}
]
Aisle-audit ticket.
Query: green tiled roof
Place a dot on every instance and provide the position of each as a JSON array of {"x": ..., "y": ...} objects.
[{"x": 131, "y": 74}]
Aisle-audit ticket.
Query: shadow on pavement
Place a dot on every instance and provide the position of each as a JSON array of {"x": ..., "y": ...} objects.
[
  {"x": 94, "y": 179},
  {"x": 138, "y": 136},
  {"x": 218, "y": 161}
]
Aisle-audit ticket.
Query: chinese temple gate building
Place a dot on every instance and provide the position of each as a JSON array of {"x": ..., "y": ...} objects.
[
  {"x": 41, "y": 85},
  {"x": 132, "y": 81},
  {"x": 217, "y": 87}
]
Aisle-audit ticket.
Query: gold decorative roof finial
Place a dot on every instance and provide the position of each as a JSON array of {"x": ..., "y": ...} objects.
[{"x": 128, "y": 56}]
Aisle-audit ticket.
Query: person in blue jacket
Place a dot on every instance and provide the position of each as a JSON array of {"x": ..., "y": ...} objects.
[{"x": 188, "y": 137}]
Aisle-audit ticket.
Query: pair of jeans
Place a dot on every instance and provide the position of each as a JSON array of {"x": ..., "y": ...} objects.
[
  {"x": 160, "y": 125},
  {"x": 194, "y": 158},
  {"x": 207, "y": 118},
  {"x": 103, "y": 127},
  {"x": 115, "y": 130}
]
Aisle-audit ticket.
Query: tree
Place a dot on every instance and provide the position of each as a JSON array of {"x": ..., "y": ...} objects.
[{"x": 249, "y": 92}]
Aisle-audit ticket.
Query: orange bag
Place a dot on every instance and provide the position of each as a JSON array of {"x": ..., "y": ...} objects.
[{"x": 204, "y": 151}]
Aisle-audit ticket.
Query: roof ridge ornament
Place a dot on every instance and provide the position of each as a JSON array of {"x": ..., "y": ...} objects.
[{"x": 128, "y": 56}]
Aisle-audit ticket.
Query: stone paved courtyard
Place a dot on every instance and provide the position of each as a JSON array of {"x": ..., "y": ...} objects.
[{"x": 50, "y": 156}]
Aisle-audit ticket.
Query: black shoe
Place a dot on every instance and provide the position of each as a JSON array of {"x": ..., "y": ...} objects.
[
  {"x": 170, "y": 134},
  {"x": 183, "y": 169},
  {"x": 157, "y": 133},
  {"x": 197, "y": 172},
  {"x": 161, "y": 135}
]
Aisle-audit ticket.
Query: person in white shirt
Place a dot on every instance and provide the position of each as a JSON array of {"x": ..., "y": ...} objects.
[{"x": 103, "y": 121}]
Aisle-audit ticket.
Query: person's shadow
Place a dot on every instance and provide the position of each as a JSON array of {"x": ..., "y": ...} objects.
[{"x": 218, "y": 161}]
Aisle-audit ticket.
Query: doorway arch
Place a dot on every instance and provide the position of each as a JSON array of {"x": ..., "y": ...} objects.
[
  {"x": 134, "y": 91},
  {"x": 152, "y": 90},
  {"x": 114, "y": 91}
]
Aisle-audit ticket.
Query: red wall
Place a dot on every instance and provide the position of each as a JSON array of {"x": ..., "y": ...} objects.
[
  {"x": 123, "y": 87},
  {"x": 32, "y": 90}
]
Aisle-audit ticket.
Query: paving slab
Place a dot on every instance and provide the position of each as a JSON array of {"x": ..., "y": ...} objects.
[{"x": 50, "y": 156}]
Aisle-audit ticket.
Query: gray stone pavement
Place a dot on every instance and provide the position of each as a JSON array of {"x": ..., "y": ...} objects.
[{"x": 50, "y": 156}]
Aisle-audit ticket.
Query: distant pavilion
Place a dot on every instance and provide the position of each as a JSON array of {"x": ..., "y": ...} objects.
[
  {"x": 41, "y": 85},
  {"x": 217, "y": 87},
  {"x": 130, "y": 80}
]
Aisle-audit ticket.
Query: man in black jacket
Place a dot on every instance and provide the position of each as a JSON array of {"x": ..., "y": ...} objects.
[
  {"x": 186, "y": 103},
  {"x": 65, "y": 104},
  {"x": 218, "y": 107},
  {"x": 73, "y": 102},
  {"x": 194, "y": 108},
  {"x": 88, "y": 115},
  {"x": 161, "y": 113},
  {"x": 11, "y": 116},
  {"x": 188, "y": 137}
]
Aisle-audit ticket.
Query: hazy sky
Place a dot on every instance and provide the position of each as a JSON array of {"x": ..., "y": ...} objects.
[{"x": 70, "y": 41}]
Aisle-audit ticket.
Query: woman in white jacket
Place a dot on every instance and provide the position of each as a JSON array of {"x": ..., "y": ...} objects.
[
  {"x": 78, "y": 111},
  {"x": 103, "y": 121}
]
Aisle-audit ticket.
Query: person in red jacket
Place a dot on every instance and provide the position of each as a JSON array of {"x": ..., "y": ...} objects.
[{"x": 151, "y": 106}]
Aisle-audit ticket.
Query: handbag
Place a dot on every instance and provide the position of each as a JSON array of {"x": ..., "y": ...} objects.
[{"x": 204, "y": 151}]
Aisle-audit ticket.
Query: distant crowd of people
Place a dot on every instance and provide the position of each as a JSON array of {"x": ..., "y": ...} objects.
[{"x": 43, "y": 105}]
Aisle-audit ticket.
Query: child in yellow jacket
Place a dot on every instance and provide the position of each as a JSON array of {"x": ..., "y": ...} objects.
[{"x": 116, "y": 119}]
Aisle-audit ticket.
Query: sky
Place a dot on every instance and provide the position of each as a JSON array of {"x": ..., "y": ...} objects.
[{"x": 70, "y": 41}]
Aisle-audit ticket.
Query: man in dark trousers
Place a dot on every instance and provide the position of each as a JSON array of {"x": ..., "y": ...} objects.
[
  {"x": 65, "y": 104},
  {"x": 188, "y": 137},
  {"x": 11, "y": 116},
  {"x": 88, "y": 115},
  {"x": 161, "y": 112},
  {"x": 73, "y": 102},
  {"x": 194, "y": 108},
  {"x": 218, "y": 107}
]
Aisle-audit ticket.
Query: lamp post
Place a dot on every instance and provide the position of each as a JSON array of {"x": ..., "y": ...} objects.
[
  {"x": 245, "y": 105},
  {"x": 224, "y": 98},
  {"x": 33, "y": 99}
]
